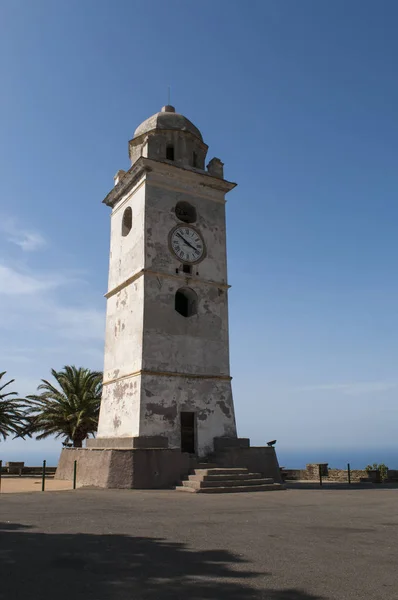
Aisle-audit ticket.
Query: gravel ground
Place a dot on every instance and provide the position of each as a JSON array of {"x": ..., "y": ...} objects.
[
  {"x": 114, "y": 544},
  {"x": 12, "y": 485}
]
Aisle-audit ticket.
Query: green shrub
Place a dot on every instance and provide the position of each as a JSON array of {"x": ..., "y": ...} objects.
[{"x": 382, "y": 468}]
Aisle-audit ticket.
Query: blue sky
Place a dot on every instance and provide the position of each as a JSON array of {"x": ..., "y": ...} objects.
[{"x": 299, "y": 99}]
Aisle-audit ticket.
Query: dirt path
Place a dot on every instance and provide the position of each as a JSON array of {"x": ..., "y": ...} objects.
[{"x": 12, "y": 485}]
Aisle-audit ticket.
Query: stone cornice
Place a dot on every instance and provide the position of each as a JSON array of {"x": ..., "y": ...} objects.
[
  {"x": 187, "y": 280},
  {"x": 168, "y": 374},
  {"x": 131, "y": 177},
  {"x": 189, "y": 174},
  {"x": 143, "y": 166}
]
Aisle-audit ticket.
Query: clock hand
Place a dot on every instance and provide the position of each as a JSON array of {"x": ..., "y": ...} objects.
[{"x": 187, "y": 243}]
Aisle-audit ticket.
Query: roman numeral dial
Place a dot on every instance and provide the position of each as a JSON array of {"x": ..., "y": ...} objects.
[{"x": 187, "y": 244}]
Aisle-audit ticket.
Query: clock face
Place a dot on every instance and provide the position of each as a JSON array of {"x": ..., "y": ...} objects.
[{"x": 187, "y": 244}]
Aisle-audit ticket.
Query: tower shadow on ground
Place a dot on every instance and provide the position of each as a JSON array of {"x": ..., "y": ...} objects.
[{"x": 44, "y": 566}]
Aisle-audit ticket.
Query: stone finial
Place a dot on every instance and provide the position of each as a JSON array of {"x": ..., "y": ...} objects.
[
  {"x": 216, "y": 168},
  {"x": 119, "y": 176},
  {"x": 168, "y": 108}
]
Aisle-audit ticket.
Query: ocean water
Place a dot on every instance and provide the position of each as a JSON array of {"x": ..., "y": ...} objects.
[
  {"x": 338, "y": 458},
  {"x": 31, "y": 459},
  {"x": 288, "y": 457}
]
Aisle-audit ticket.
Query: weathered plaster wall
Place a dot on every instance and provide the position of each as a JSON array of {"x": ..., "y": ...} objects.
[
  {"x": 197, "y": 344},
  {"x": 120, "y": 405},
  {"x": 163, "y": 398},
  {"x": 148, "y": 405},
  {"x": 127, "y": 252},
  {"x": 124, "y": 331},
  {"x": 163, "y": 192},
  {"x": 120, "y": 408},
  {"x": 144, "y": 332}
]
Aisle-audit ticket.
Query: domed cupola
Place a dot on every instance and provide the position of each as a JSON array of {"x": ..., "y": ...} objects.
[{"x": 169, "y": 136}]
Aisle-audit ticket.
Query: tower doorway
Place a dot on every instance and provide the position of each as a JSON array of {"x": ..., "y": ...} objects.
[{"x": 187, "y": 420}]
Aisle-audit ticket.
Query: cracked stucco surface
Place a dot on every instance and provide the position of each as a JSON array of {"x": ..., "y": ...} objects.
[{"x": 143, "y": 330}]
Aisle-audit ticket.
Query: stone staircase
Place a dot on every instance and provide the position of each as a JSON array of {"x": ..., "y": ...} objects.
[{"x": 212, "y": 480}]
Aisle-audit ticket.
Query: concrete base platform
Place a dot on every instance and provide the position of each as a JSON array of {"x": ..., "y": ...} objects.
[
  {"x": 147, "y": 463},
  {"x": 123, "y": 468}
]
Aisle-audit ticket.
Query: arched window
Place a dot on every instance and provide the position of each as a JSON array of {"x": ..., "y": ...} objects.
[
  {"x": 185, "y": 212},
  {"x": 186, "y": 302},
  {"x": 127, "y": 221}
]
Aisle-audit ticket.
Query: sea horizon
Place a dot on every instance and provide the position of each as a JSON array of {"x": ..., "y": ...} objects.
[{"x": 358, "y": 458}]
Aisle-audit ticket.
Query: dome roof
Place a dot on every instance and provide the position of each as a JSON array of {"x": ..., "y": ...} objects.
[{"x": 167, "y": 118}]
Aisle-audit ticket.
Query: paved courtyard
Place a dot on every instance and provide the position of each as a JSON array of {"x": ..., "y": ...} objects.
[{"x": 119, "y": 545}]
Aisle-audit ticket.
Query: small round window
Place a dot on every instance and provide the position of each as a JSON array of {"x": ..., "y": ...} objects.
[
  {"x": 127, "y": 221},
  {"x": 185, "y": 212}
]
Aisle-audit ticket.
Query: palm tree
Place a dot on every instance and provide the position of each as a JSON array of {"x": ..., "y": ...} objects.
[
  {"x": 69, "y": 409},
  {"x": 11, "y": 416}
]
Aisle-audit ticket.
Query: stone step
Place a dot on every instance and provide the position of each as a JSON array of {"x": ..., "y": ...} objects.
[
  {"x": 268, "y": 487},
  {"x": 182, "y": 488},
  {"x": 228, "y": 477},
  {"x": 220, "y": 472},
  {"x": 228, "y": 483}
]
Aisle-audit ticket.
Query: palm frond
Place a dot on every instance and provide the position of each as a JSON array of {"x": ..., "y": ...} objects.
[
  {"x": 69, "y": 408},
  {"x": 11, "y": 411}
]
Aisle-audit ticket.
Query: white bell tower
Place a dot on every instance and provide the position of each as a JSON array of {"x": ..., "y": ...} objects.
[{"x": 166, "y": 370}]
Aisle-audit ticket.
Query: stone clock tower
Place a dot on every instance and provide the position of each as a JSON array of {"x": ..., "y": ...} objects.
[
  {"x": 167, "y": 399},
  {"x": 166, "y": 370}
]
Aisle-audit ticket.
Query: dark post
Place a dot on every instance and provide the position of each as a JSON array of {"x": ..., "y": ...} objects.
[
  {"x": 320, "y": 475},
  {"x": 74, "y": 474},
  {"x": 349, "y": 473},
  {"x": 43, "y": 476},
  {"x": 1, "y": 468}
]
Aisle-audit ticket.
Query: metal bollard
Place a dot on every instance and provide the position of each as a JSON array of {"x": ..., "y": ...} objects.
[
  {"x": 43, "y": 477},
  {"x": 320, "y": 475},
  {"x": 349, "y": 473},
  {"x": 74, "y": 474}
]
